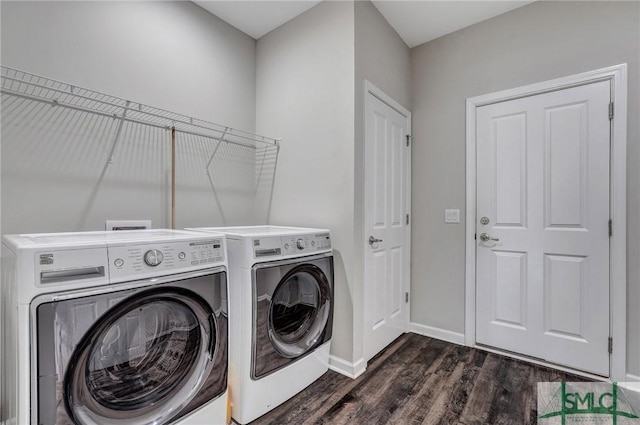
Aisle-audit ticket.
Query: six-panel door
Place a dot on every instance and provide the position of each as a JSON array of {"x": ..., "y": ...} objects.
[{"x": 543, "y": 184}]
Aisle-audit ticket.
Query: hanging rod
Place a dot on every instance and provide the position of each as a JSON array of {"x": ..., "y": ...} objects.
[
  {"x": 126, "y": 108},
  {"x": 123, "y": 118},
  {"x": 33, "y": 87}
]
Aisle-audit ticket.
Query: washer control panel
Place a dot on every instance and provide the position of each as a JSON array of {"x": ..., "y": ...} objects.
[
  {"x": 139, "y": 260},
  {"x": 290, "y": 245}
]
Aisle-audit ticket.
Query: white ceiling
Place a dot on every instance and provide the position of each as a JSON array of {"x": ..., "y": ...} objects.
[
  {"x": 256, "y": 17},
  {"x": 420, "y": 21},
  {"x": 416, "y": 21}
]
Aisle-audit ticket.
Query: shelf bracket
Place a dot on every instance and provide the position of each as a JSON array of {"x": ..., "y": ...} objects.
[
  {"x": 273, "y": 180},
  {"x": 173, "y": 177},
  {"x": 118, "y": 133},
  {"x": 206, "y": 169}
]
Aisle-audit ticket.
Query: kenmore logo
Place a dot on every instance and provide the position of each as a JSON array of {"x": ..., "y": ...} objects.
[{"x": 46, "y": 259}]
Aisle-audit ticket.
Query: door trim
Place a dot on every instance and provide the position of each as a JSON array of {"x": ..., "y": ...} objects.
[
  {"x": 618, "y": 242},
  {"x": 371, "y": 89}
]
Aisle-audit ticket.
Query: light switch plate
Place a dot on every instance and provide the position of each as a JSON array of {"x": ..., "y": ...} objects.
[{"x": 452, "y": 216}]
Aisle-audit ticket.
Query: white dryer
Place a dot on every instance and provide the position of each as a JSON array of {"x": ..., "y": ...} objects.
[
  {"x": 281, "y": 314},
  {"x": 115, "y": 328}
]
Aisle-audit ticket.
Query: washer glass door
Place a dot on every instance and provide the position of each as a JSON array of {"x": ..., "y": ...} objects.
[
  {"x": 141, "y": 360},
  {"x": 141, "y": 355}
]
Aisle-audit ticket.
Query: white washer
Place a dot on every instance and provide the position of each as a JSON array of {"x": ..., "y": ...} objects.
[
  {"x": 281, "y": 314},
  {"x": 115, "y": 328}
]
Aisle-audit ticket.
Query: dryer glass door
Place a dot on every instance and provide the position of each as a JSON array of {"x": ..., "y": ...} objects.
[{"x": 293, "y": 309}]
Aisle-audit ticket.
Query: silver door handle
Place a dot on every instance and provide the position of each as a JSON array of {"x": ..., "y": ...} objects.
[
  {"x": 373, "y": 240},
  {"x": 484, "y": 237}
]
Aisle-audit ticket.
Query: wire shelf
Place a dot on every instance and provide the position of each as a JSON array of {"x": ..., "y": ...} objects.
[{"x": 26, "y": 85}]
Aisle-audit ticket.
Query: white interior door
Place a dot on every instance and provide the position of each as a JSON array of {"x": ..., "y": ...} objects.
[
  {"x": 386, "y": 248},
  {"x": 542, "y": 278}
]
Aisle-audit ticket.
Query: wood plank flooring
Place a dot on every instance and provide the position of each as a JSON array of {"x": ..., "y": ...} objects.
[{"x": 420, "y": 380}]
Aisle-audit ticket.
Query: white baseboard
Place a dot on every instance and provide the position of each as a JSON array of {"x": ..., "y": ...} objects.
[
  {"x": 437, "y": 333},
  {"x": 632, "y": 378},
  {"x": 343, "y": 367},
  {"x": 633, "y": 383}
]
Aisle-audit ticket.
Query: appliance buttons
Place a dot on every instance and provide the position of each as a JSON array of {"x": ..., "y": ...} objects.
[
  {"x": 119, "y": 262},
  {"x": 300, "y": 244},
  {"x": 153, "y": 257}
]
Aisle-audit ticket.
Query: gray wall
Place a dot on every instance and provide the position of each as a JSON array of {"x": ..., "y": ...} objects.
[
  {"x": 171, "y": 55},
  {"x": 304, "y": 94},
  {"x": 310, "y": 92},
  {"x": 384, "y": 59},
  {"x": 302, "y": 82},
  {"x": 538, "y": 42}
]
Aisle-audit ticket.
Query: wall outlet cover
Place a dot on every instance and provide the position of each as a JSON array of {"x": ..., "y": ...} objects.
[{"x": 127, "y": 224}]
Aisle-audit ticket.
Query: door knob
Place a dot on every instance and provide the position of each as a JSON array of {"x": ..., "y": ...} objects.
[
  {"x": 484, "y": 237},
  {"x": 373, "y": 240}
]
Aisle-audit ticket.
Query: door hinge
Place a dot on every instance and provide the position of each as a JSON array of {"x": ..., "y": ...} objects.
[
  {"x": 407, "y": 219},
  {"x": 610, "y": 348},
  {"x": 408, "y": 139},
  {"x": 610, "y": 227},
  {"x": 406, "y": 297},
  {"x": 611, "y": 110}
]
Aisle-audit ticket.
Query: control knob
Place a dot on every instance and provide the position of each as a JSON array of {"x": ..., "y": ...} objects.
[
  {"x": 153, "y": 257},
  {"x": 300, "y": 243}
]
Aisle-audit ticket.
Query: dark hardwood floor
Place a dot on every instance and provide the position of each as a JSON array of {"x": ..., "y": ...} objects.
[{"x": 420, "y": 380}]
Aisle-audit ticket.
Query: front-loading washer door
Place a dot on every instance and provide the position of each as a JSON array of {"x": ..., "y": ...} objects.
[
  {"x": 143, "y": 360},
  {"x": 293, "y": 309}
]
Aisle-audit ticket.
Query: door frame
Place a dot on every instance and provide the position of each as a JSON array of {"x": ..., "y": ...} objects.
[
  {"x": 371, "y": 90},
  {"x": 617, "y": 192}
]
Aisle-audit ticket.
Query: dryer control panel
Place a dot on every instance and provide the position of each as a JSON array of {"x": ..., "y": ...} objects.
[
  {"x": 142, "y": 260},
  {"x": 269, "y": 246}
]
